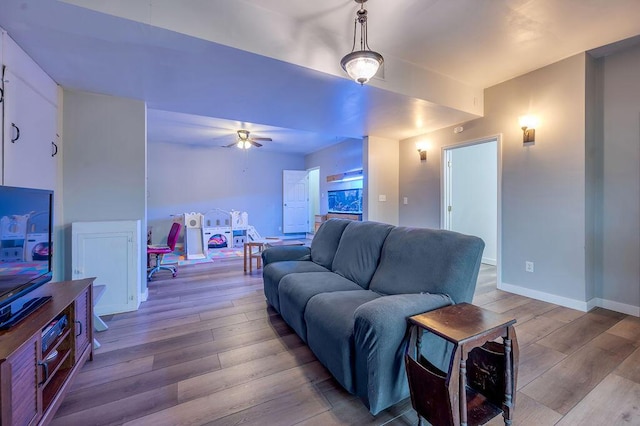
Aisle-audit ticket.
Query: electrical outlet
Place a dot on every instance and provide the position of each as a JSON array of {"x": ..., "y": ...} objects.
[
  {"x": 382, "y": 197},
  {"x": 406, "y": 200},
  {"x": 528, "y": 266}
]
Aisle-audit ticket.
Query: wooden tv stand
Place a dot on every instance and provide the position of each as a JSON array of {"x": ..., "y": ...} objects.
[{"x": 31, "y": 387}]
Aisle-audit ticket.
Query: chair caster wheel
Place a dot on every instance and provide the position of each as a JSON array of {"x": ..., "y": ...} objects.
[{"x": 174, "y": 274}]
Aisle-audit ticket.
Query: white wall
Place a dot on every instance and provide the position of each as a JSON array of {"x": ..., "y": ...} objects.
[
  {"x": 621, "y": 205},
  {"x": 104, "y": 164},
  {"x": 314, "y": 197},
  {"x": 474, "y": 183},
  {"x": 338, "y": 158},
  {"x": 381, "y": 180},
  {"x": 185, "y": 178}
]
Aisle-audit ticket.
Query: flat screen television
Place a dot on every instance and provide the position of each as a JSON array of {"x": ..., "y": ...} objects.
[
  {"x": 25, "y": 241},
  {"x": 345, "y": 200}
]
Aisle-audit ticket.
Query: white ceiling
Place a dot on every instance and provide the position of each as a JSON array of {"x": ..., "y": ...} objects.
[{"x": 208, "y": 67}]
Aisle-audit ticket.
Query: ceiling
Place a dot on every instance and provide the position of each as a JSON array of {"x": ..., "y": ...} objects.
[{"x": 208, "y": 67}]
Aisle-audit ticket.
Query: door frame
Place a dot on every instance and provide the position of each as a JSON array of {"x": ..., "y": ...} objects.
[{"x": 445, "y": 190}]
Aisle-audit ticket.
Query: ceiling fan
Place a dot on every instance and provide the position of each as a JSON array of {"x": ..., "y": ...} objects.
[{"x": 245, "y": 141}]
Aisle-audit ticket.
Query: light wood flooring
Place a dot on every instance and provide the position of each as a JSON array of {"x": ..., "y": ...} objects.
[{"x": 206, "y": 350}]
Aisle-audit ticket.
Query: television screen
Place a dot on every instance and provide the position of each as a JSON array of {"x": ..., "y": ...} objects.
[
  {"x": 25, "y": 240},
  {"x": 345, "y": 201}
]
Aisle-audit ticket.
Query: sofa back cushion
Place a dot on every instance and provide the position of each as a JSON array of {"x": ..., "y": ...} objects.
[
  {"x": 325, "y": 242},
  {"x": 358, "y": 253},
  {"x": 417, "y": 260}
]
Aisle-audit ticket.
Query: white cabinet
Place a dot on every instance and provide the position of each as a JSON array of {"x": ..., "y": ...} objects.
[
  {"x": 109, "y": 251},
  {"x": 30, "y": 143}
]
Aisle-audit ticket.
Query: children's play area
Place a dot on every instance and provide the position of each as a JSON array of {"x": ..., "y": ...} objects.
[{"x": 215, "y": 234}]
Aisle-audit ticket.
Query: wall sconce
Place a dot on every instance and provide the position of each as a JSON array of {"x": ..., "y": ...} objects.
[
  {"x": 528, "y": 124},
  {"x": 422, "y": 150}
]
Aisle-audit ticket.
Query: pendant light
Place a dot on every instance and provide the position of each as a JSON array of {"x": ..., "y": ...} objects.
[{"x": 361, "y": 64}]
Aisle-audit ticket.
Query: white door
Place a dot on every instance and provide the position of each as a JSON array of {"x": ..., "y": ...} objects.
[
  {"x": 110, "y": 252},
  {"x": 295, "y": 201},
  {"x": 471, "y": 193}
]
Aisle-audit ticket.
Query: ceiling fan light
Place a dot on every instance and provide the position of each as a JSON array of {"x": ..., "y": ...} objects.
[
  {"x": 243, "y": 144},
  {"x": 243, "y": 134},
  {"x": 361, "y": 65}
]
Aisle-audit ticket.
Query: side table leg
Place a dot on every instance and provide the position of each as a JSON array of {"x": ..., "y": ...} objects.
[
  {"x": 245, "y": 258},
  {"x": 463, "y": 389},
  {"x": 508, "y": 382}
]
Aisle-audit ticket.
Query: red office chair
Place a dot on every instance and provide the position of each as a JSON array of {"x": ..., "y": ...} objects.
[{"x": 159, "y": 251}]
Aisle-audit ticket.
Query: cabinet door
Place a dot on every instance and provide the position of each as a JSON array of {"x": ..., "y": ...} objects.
[
  {"x": 82, "y": 321},
  {"x": 24, "y": 400},
  {"x": 110, "y": 252},
  {"x": 29, "y": 134}
]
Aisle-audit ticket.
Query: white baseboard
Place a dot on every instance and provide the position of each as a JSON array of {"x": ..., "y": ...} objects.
[
  {"x": 144, "y": 295},
  {"x": 571, "y": 303},
  {"x": 616, "y": 306},
  {"x": 545, "y": 297},
  {"x": 489, "y": 261}
]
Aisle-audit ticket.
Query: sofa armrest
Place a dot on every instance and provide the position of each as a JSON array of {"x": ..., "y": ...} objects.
[
  {"x": 380, "y": 337},
  {"x": 282, "y": 253}
]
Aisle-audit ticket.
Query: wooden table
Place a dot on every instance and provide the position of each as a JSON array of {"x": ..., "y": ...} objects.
[
  {"x": 249, "y": 254},
  {"x": 481, "y": 380}
]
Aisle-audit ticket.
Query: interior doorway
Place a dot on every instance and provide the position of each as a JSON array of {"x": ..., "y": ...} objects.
[{"x": 471, "y": 193}]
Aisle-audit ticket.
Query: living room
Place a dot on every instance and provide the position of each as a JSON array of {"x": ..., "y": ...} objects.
[{"x": 569, "y": 201}]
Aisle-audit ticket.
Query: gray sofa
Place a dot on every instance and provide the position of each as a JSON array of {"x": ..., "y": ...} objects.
[{"x": 349, "y": 295}]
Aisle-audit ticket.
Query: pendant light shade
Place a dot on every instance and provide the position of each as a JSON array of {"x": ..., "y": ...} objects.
[{"x": 361, "y": 64}]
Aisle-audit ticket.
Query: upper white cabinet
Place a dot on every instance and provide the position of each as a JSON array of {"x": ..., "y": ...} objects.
[{"x": 30, "y": 143}]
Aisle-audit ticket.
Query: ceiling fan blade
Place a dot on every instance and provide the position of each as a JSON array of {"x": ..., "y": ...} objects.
[
  {"x": 231, "y": 144},
  {"x": 262, "y": 139},
  {"x": 254, "y": 143}
]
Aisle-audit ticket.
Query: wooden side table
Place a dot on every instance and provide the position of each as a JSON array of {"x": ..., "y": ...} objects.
[
  {"x": 249, "y": 254},
  {"x": 481, "y": 380}
]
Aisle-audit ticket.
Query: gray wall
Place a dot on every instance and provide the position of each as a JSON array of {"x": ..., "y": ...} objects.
[
  {"x": 381, "y": 179},
  {"x": 339, "y": 158},
  {"x": 594, "y": 175},
  {"x": 104, "y": 164},
  {"x": 184, "y": 178},
  {"x": 621, "y": 216},
  {"x": 543, "y": 185},
  {"x": 419, "y": 181}
]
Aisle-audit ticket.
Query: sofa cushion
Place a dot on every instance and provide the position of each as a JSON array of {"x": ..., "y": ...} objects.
[
  {"x": 358, "y": 253},
  {"x": 330, "y": 321},
  {"x": 325, "y": 242},
  {"x": 295, "y": 290},
  {"x": 273, "y": 273},
  {"x": 428, "y": 260}
]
